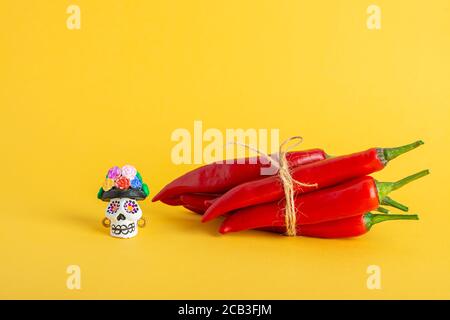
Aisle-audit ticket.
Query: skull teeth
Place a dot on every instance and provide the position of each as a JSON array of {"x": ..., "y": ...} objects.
[{"x": 123, "y": 228}]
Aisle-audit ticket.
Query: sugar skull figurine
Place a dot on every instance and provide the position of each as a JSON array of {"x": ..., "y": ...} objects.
[{"x": 123, "y": 187}]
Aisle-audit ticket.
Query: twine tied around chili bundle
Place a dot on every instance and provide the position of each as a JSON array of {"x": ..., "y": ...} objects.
[{"x": 288, "y": 182}]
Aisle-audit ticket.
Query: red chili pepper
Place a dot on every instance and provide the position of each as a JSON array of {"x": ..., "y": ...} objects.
[
  {"x": 324, "y": 173},
  {"x": 220, "y": 177},
  {"x": 197, "y": 201},
  {"x": 344, "y": 228},
  {"x": 342, "y": 201},
  {"x": 194, "y": 209},
  {"x": 175, "y": 201}
]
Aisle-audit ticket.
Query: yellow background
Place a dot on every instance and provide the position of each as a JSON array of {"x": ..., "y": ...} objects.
[{"x": 75, "y": 102}]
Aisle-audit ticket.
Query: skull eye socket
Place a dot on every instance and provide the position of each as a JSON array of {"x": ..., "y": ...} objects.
[
  {"x": 131, "y": 206},
  {"x": 113, "y": 206}
]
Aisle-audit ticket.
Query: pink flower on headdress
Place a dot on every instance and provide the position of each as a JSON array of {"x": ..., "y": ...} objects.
[{"x": 129, "y": 172}]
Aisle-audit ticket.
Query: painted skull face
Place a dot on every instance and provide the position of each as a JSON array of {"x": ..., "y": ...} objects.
[{"x": 124, "y": 214}]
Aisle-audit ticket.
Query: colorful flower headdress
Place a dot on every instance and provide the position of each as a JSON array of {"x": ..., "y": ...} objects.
[{"x": 125, "y": 182}]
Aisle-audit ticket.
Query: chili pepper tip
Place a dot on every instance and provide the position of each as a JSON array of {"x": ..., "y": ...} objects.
[
  {"x": 225, "y": 229},
  {"x": 207, "y": 218},
  {"x": 157, "y": 197}
]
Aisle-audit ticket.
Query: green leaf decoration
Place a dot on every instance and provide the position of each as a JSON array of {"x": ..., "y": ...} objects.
[
  {"x": 138, "y": 175},
  {"x": 145, "y": 189},
  {"x": 100, "y": 193}
]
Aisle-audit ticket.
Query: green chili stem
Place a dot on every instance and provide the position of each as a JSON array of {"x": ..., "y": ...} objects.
[
  {"x": 400, "y": 183},
  {"x": 382, "y": 210},
  {"x": 384, "y": 188},
  {"x": 388, "y": 201},
  {"x": 392, "y": 153},
  {"x": 371, "y": 219}
]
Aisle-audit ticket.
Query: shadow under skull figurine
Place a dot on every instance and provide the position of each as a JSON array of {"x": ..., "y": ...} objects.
[{"x": 123, "y": 187}]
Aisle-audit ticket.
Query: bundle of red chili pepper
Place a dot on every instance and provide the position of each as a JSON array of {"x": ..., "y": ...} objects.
[{"x": 336, "y": 199}]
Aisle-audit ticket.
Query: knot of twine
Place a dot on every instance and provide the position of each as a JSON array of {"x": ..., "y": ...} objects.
[{"x": 284, "y": 172}]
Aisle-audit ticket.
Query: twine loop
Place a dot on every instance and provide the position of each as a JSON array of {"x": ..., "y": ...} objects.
[{"x": 284, "y": 172}]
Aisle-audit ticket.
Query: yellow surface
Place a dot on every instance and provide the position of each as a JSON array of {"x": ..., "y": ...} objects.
[{"x": 75, "y": 102}]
